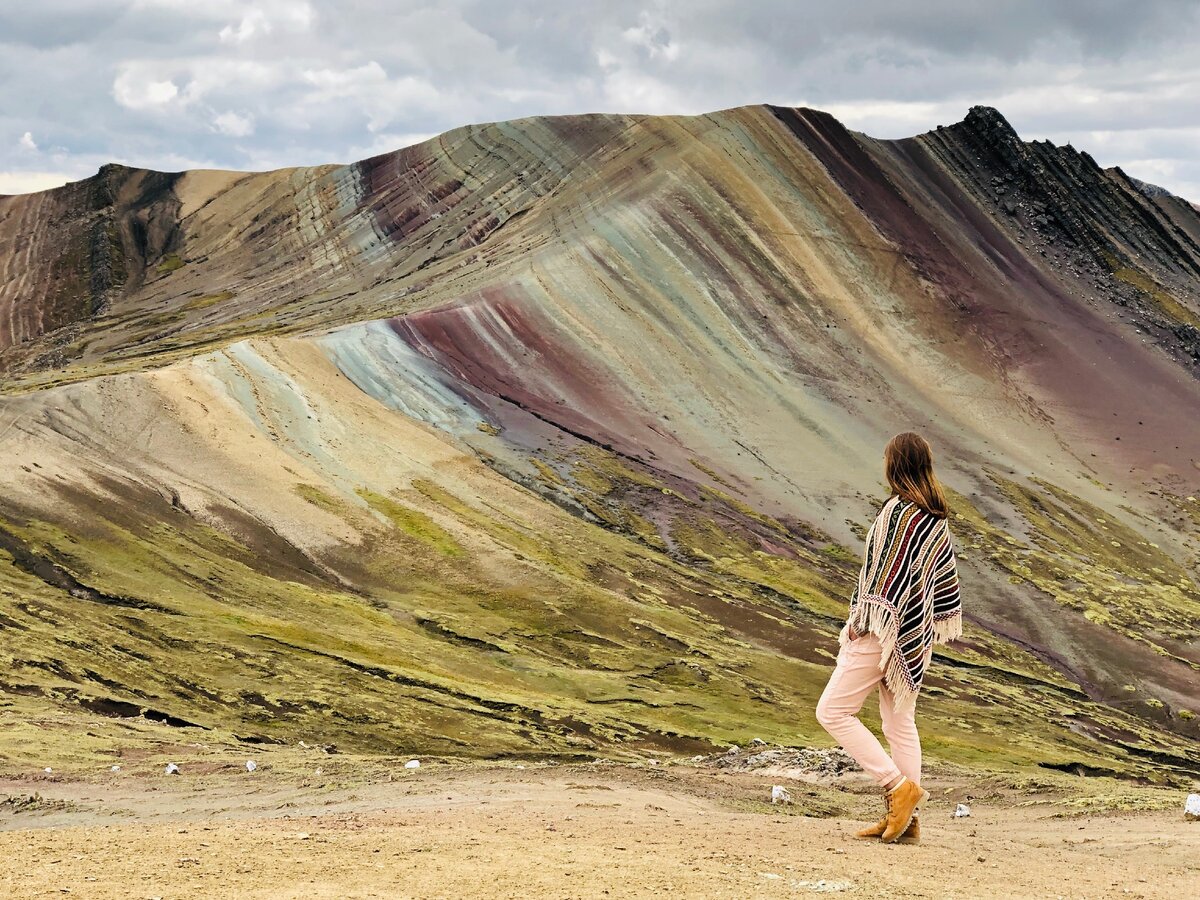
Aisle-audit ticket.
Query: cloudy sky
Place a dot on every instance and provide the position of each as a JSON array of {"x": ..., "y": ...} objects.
[{"x": 173, "y": 84}]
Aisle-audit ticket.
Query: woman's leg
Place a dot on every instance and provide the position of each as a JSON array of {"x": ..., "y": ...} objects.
[
  {"x": 900, "y": 729},
  {"x": 855, "y": 676}
]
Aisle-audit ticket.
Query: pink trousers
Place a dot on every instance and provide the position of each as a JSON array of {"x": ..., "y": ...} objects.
[{"x": 856, "y": 675}]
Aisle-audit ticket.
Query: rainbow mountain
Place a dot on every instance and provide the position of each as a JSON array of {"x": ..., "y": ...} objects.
[{"x": 559, "y": 436}]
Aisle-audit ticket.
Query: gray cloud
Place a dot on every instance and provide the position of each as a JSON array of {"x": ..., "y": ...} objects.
[{"x": 226, "y": 83}]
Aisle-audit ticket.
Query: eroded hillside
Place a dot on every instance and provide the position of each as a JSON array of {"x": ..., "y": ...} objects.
[{"x": 560, "y": 434}]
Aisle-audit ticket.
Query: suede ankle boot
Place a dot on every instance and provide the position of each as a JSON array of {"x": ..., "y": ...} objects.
[
  {"x": 911, "y": 836},
  {"x": 877, "y": 830},
  {"x": 902, "y": 805}
]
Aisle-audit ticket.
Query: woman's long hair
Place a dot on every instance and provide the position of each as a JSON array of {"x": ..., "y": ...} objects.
[{"x": 908, "y": 464}]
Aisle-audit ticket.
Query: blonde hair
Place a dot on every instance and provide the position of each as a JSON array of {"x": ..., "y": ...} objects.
[{"x": 908, "y": 465}]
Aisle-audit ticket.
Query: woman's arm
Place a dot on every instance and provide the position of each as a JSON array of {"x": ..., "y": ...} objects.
[
  {"x": 868, "y": 545},
  {"x": 853, "y": 600}
]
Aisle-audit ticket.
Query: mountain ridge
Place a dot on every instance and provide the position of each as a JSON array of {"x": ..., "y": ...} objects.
[
  {"x": 982, "y": 111},
  {"x": 106, "y": 243},
  {"x": 569, "y": 428}
]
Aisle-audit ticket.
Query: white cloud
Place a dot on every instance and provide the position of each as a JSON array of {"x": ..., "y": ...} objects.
[
  {"x": 298, "y": 82},
  {"x": 261, "y": 19},
  {"x": 632, "y": 76},
  {"x": 387, "y": 141},
  {"x": 27, "y": 142},
  {"x": 136, "y": 88},
  {"x": 345, "y": 82},
  {"x": 201, "y": 84},
  {"x": 28, "y": 182},
  {"x": 255, "y": 22},
  {"x": 887, "y": 118},
  {"x": 234, "y": 125},
  {"x": 628, "y": 90},
  {"x": 652, "y": 37},
  {"x": 606, "y": 59},
  {"x": 236, "y": 79},
  {"x": 369, "y": 90}
]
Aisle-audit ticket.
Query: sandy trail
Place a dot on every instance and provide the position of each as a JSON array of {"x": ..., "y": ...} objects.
[{"x": 567, "y": 831}]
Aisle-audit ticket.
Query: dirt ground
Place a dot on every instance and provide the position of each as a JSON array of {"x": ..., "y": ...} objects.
[{"x": 561, "y": 831}]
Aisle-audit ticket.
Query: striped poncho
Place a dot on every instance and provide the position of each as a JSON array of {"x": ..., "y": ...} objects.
[{"x": 907, "y": 594}]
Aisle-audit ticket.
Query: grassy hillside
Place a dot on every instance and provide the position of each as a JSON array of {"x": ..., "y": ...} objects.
[{"x": 560, "y": 436}]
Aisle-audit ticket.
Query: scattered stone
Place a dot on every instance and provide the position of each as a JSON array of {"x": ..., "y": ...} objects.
[
  {"x": 825, "y": 887},
  {"x": 780, "y": 794},
  {"x": 1191, "y": 809},
  {"x": 251, "y": 765},
  {"x": 318, "y": 772},
  {"x": 818, "y": 762},
  {"x": 734, "y": 750},
  {"x": 962, "y": 811},
  {"x": 758, "y": 742},
  {"x": 413, "y": 764},
  {"x": 172, "y": 769},
  {"x": 48, "y": 770}
]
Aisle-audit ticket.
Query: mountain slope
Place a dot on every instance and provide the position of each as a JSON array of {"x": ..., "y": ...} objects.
[{"x": 552, "y": 433}]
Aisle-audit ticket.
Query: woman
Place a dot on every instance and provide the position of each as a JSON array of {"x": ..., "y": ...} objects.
[{"x": 906, "y": 600}]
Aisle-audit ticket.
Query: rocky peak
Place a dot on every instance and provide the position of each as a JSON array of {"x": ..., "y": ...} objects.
[{"x": 985, "y": 125}]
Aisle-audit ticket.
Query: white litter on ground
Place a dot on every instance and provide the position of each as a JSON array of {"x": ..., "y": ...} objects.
[
  {"x": 48, "y": 770},
  {"x": 780, "y": 794},
  {"x": 962, "y": 811},
  {"x": 1191, "y": 808},
  {"x": 251, "y": 765},
  {"x": 115, "y": 769},
  {"x": 172, "y": 769},
  {"x": 824, "y": 887},
  {"x": 413, "y": 764}
]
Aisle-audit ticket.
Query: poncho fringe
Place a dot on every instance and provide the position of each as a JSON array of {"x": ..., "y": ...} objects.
[{"x": 907, "y": 595}]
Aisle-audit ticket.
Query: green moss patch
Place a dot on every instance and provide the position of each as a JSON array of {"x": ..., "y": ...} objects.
[
  {"x": 413, "y": 523},
  {"x": 170, "y": 263}
]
